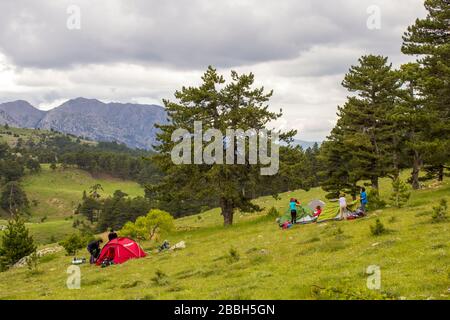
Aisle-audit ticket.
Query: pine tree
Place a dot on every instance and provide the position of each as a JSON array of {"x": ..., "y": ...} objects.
[
  {"x": 429, "y": 38},
  {"x": 400, "y": 194},
  {"x": 16, "y": 242},
  {"x": 13, "y": 199},
  {"x": 337, "y": 173},
  {"x": 363, "y": 144},
  {"x": 218, "y": 105},
  {"x": 367, "y": 130},
  {"x": 413, "y": 121}
]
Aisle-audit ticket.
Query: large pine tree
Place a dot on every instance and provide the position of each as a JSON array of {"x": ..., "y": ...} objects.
[
  {"x": 219, "y": 105},
  {"x": 429, "y": 38},
  {"x": 412, "y": 121},
  {"x": 366, "y": 132}
]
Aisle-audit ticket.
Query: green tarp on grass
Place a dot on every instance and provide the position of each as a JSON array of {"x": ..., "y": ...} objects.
[{"x": 330, "y": 212}]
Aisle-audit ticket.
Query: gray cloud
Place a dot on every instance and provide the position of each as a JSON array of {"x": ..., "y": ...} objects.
[
  {"x": 142, "y": 51},
  {"x": 189, "y": 34}
]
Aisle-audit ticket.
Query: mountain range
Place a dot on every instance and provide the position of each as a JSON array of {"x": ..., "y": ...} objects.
[{"x": 128, "y": 123}]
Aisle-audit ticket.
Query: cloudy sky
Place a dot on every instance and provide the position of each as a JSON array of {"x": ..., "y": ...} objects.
[{"x": 143, "y": 50}]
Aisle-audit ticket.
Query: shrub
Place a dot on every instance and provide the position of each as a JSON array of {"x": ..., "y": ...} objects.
[
  {"x": 400, "y": 194},
  {"x": 16, "y": 243},
  {"x": 156, "y": 221},
  {"x": 347, "y": 293},
  {"x": 273, "y": 213},
  {"x": 377, "y": 229},
  {"x": 440, "y": 212},
  {"x": 338, "y": 232},
  {"x": 233, "y": 255},
  {"x": 32, "y": 262},
  {"x": 375, "y": 202},
  {"x": 74, "y": 242},
  {"x": 160, "y": 278}
]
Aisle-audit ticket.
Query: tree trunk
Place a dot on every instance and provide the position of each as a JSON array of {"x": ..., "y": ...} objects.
[
  {"x": 396, "y": 165},
  {"x": 227, "y": 211},
  {"x": 374, "y": 181},
  {"x": 441, "y": 173},
  {"x": 415, "y": 172}
]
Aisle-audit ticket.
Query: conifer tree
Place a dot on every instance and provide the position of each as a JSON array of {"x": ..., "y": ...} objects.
[
  {"x": 412, "y": 120},
  {"x": 400, "y": 194},
  {"x": 218, "y": 105},
  {"x": 16, "y": 243},
  {"x": 429, "y": 38},
  {"x": 366, "y": 140},
  {"x": 13, "y": 199},
  {"x": 338, "y": 173}
]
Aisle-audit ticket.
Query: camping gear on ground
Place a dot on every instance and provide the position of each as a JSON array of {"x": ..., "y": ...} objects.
[
  {"x": 106, "y": 263},
  {"x": 164, "y": 246},
  {"x": 316, "y": 203},
  {"x": 76, "y": 260},
  {"x": 120, "y": 250},
  {"x": 179, "y": 245},
  {"x": 286, "y": 225},
  {"x": 357, "y": 214}
]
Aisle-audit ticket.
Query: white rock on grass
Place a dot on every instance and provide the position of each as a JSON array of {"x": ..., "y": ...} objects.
[
  {"x": 179, "y": 245},
  {"x": 40, "y": 253}
]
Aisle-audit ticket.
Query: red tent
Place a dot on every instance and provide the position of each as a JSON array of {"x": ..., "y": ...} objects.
[{"x": 120, "y": 250}]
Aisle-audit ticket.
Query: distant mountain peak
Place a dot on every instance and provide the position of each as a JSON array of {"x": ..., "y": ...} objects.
[
  {"x": 82, "y": 99},
  {"x": 21, "y": 113},
  {"x": 128, "y": 123}
]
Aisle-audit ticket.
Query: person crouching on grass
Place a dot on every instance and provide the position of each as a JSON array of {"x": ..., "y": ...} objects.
[
  {"x": 317, "y": 212},
  {"x": 293, "y": 206},
  {"x": 94, "y": 249}
]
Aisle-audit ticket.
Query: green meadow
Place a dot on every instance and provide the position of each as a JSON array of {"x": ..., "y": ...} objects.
[
  {"x": 54, "y": 195},
  {"x": 58, "y": 193},
  {"x": 255, "y": 259}
]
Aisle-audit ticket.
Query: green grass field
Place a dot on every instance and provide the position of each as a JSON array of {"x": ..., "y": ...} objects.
[
  {"x": 58, "y": 193},
  {"x": 316, "y": 261}
]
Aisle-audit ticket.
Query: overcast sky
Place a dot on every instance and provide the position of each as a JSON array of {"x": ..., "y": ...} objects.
[{"x": 142, "y": 50}]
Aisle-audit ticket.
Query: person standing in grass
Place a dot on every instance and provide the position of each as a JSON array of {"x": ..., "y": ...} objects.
[
  {"x": 112, "y": 235},
  {"x": 363, "y": 199},
  {"x": 293, "y": 206},
  {"x": 342, "y": 206}
]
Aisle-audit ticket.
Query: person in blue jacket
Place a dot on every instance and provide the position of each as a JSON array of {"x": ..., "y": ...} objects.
[{"x": 363, "y": 199}]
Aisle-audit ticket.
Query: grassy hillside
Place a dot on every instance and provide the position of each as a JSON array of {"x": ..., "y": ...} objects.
[
  {"x": 11, "y": 135},
  {"x": 59, "y": 192},
  {"x": 271, "y": 263}
]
